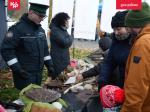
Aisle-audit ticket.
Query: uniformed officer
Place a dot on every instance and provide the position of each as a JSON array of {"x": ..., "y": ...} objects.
[{"x": 25, "y": 47}]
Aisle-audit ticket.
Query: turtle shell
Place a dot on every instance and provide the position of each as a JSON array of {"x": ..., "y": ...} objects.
[{"x": 43, "y": 95}]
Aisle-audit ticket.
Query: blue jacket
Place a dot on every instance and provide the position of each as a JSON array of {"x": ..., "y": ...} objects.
[{"x": 117, "y": 57}]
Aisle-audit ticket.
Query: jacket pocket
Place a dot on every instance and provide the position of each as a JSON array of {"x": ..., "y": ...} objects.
[{"x": 30, "y": 46}]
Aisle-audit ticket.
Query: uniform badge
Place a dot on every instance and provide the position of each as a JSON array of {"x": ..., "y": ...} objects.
[
  {"x": 136, "y": 59},
  {"x": 9, "y": 34}
]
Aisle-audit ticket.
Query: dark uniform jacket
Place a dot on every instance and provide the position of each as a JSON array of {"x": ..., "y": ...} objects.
[
  {"x": 25, "y": 47},
  {"x": 60, "y": 43},
  {"x": 116, "y": 58}
]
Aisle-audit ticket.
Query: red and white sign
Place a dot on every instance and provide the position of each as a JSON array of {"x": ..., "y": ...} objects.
[
  {"x": 13, "y": 4},
  {"x": 129, "y": 4}
]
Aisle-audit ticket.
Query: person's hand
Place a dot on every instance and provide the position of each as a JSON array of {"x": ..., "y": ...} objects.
[
  {"x": 51, "y": 72},
  {"x": 22, "y": 73},
  {"x": 70, "y": 74},
  {"x": 79, "y": 77},
  {"x": 101, "y": 33}
]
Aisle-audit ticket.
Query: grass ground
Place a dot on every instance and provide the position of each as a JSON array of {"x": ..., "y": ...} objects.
[{"x": 7, "y": 91}]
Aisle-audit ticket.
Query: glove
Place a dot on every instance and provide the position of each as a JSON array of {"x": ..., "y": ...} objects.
[
  {"x": 50, "y": 68},
  {"x": 51, "y": 73},
  {"x": 23, "y": 74}
]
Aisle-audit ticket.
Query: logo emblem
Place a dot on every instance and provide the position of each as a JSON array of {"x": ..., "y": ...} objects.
[
  {"x": 13, "y": 4},
  {"x": 129, "y": 4}
]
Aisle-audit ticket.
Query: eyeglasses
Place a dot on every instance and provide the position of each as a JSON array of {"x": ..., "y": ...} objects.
[{"x": 40, "y": 15}]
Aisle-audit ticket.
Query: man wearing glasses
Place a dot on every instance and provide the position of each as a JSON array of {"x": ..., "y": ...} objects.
[{"x": 25, "y": 48}]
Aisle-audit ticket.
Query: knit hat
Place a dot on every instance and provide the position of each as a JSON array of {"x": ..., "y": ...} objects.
[
  {"x": 111, "y": 96},
  {"x": 118, "y": 19},
  {"x": 38, "y": 8},
  {"x": 138, "y": 18}
]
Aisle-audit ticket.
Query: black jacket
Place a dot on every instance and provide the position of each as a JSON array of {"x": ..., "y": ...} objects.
[
  {"x": 93, "y": 71},
  {"x": 104, "y": 44},
  {"x": 25, "y": 47},
  {"x": 117, "y": 57},
  {"x": 60, "y": 43}
]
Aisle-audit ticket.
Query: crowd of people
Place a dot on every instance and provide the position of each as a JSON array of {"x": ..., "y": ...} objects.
[{"x": 126, "y": 60}]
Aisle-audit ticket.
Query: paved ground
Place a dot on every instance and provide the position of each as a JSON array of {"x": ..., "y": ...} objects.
[{"x": 86, "y": 44}]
